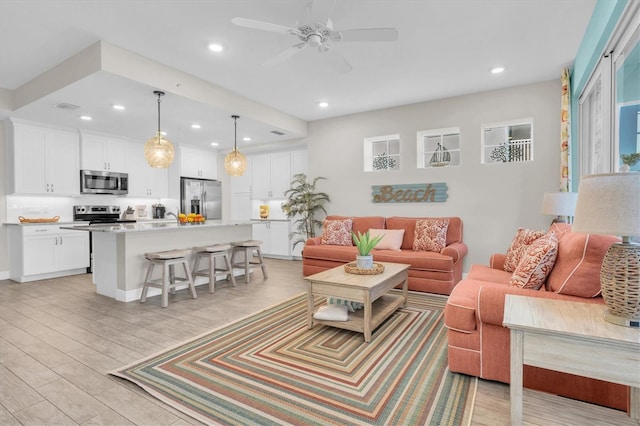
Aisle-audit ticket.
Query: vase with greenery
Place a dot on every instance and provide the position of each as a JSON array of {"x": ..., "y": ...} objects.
[
  {"x": 304, "y": 204},
  {"x": 365, "y": 243}
]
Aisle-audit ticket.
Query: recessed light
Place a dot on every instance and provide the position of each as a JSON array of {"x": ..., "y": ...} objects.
[
  {"x": 215, "y": 47},
  {"x": 86, "y": 117},
  {"x": 323, "y": 104},
  {"x": 119, "y": 107},
  {"x": 214, "y": 144},
  {"x": 497, "y": 70},
  {"x": 246, "y": 139},
  {"x": 195, "y": 126}
]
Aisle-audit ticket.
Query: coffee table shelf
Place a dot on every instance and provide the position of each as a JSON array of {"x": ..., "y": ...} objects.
[
  {"x": 370, "y": 290},
  {"x": 381, "y": 309}
]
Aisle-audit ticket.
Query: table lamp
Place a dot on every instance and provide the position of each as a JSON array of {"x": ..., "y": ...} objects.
[
  {"x": 610, "y": 204},
  {"x": 560, "y": 204}
]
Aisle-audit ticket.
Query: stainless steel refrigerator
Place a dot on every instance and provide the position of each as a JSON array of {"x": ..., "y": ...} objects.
[{"x": 201, "y": 196}]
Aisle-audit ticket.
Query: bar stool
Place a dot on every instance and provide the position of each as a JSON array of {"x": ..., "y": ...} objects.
[
  {"x": 167, "y": 260},
  {"x": 211, "y": 252},
  {"x": 248, "y": 248}
]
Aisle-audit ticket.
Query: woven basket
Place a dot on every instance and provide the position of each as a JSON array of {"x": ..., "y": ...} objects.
[
  {"x": 620, "y": 279},
  {"x": 38, "y": 220},
  {"x": 351, "y": 268}
]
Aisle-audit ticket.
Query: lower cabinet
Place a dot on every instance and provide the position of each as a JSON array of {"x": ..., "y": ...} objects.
[
  {"x": 274, "y": 236},
  {"x": 46, "y": 251}
]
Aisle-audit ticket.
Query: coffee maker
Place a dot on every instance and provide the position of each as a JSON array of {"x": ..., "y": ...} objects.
[{"x": 158, "y": 211}]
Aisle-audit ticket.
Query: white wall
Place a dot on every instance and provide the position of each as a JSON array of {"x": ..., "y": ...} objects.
[{"x": 492, "y": 200}]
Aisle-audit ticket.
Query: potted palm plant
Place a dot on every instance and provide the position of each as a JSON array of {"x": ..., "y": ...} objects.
[
  {"x": 303, "y": 204},
  {"x": 365, "y": 243}
]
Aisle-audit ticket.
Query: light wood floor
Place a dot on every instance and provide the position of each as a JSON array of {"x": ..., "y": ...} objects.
[{"x": 58, "y": 338}]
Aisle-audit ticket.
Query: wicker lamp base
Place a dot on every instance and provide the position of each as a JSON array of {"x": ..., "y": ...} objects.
[{"x": 620, "y": 281}]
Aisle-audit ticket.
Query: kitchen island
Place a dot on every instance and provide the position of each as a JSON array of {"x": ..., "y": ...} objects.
[{"x": 119, "y": 265}]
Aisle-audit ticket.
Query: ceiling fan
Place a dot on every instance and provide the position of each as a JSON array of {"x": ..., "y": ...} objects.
[{"x": 319, "y": 35}]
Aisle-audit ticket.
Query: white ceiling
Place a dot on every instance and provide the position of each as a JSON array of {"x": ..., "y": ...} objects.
[{"x": 445, "y": 48}]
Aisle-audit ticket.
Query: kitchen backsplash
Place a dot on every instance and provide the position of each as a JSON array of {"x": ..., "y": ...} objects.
[{"x": 47, "y": 207}]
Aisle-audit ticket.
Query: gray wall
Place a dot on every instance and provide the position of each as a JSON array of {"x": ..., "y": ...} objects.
[{"x": 492, "y": 200}]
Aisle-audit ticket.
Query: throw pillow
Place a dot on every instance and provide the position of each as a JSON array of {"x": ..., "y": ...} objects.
[
  {"x": 391, "y": 238},
  {"x": 430, "y": 235},
  {"x": 537, "y": 263},
  {"x": 337, "y": 232},
  {"x": 522, "y": 241},
  {"x": 577, "y": 271},
  {"x": 332, "y": 313}
]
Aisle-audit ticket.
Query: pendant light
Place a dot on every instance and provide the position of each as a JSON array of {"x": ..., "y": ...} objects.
[
  {"x": 159, "y": 151},
  {"x": 235, "y": 162}
]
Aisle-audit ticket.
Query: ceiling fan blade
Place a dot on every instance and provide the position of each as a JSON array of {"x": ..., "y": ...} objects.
[
  {"x": 284, "y": 55},
  {"x": 265, "y": 26},
  {"x": 337, "y": 61},
  {"x": 367, "y": 34}
]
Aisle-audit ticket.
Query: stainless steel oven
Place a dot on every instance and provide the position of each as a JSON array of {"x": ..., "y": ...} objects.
[{"x": 99, "y": 182}]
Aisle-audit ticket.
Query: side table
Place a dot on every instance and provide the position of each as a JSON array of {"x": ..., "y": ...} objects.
[{"x": 570, "y": 337}]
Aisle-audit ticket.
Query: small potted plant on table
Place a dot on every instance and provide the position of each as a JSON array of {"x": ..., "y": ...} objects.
[{"x": 365, "y": 243}]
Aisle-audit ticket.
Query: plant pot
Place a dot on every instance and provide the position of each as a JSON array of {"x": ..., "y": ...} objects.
[{"x": 364, "y": 262}]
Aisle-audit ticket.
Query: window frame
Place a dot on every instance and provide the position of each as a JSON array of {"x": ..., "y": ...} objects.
[
  {"x": 422, "y": 152},
  {"x": 369, "y": 156}
]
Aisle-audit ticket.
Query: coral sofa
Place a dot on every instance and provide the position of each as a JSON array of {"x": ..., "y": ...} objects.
[
  {"x": 433, "y": 272},
  {"x": 478, "y": 344}
]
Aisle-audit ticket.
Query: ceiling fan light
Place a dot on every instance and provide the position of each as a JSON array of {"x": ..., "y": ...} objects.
[{"x": 159, "y": 152}]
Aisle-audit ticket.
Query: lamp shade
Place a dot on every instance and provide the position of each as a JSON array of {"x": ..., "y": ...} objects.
[
  {"x": 159, "y": 152},
  {"x": 235, "y": 163},
  {"x": 559, "y": 203},
  {"x": 609, "y": 204}
]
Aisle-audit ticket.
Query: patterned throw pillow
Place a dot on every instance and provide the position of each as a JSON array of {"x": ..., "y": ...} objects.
[
  {"x": 337, "y": 232},
  {"x": 519, "y": 246},
  {"x": 430, "y": 235},
  {"x": 537, "y": 263}
]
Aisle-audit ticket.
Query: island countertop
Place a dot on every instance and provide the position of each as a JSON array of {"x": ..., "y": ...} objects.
[
  {"x": 153, "y": 226},
  {"x": 119, "y": 262}
]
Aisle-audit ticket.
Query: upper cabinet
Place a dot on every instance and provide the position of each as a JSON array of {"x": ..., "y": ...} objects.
[
  {"x": 198, "y": 163},
  {"x": 144, "y": 180},
  {"x": 103, "y": 153},
  {"x": 43, "y": 160},
  {"x": 242, "y": 184},
  {"x": 272, "y": 173}
]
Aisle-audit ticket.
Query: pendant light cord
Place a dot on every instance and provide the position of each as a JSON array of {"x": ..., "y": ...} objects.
[{"x": 235, "y": 135}]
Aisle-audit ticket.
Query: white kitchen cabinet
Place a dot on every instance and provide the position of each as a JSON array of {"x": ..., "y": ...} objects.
[
  {"x": 271, "y": 175},
  {"x": 144, "y": 180},
  {"x": 46, "y": 251},
  {"x": 43, "y": 160},
  {"x": 274, "y": 236},
  {"x": 198, "y": 163},
  {"x": 103, "y": 153},
  {"x": 299, "y": 161},
  {"x": 242, "y": 184}
]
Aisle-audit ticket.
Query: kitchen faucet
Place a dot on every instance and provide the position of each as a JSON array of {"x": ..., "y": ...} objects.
[{"x": 174, "y": 215}]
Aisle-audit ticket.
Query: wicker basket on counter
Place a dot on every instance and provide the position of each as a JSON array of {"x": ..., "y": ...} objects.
[{"x": 23, "y": 219}]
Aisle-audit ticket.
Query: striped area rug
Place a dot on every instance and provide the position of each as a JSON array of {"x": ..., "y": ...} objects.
[{"x": 269, "y": 369}]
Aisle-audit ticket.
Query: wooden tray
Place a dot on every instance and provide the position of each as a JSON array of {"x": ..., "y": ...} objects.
[
  {"x": 38, "y": 220},
  {"x": 351, "y": 268}
]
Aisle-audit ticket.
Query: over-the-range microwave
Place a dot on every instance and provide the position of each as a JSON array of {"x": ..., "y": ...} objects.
[{"x": 98, "y": 182}]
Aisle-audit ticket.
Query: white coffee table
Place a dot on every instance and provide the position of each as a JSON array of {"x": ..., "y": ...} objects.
[
  {"x": 370, "y": 290},
  {"x": 570, "y": 337}
]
